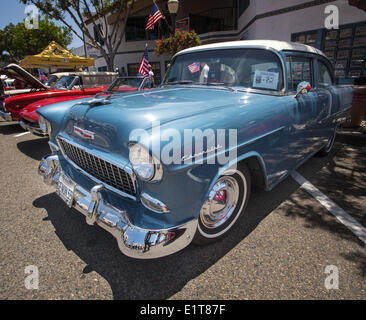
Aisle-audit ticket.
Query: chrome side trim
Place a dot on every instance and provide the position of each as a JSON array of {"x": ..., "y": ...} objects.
[
  {"x": 153, "y": 204},
  {"x": 54, "y": 147},
  {"x": 5, "y": 116},
  {"x": 119, "y": 192},
  {"x": 36, "y": 130},
  {"x": 133, "y": 241}
]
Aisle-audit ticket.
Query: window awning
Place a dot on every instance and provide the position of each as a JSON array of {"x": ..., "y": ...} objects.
[{"x": 55, "y": 56}]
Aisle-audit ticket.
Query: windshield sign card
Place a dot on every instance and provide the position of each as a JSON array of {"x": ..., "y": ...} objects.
[{"x": 265, "y": 80}]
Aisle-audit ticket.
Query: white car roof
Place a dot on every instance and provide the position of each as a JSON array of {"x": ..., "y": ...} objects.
[
  {"x": 261, "y": 44},
  {"x": 84, "y": 73}
]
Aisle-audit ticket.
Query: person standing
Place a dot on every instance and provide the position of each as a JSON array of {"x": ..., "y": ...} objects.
[
  {"x": 151, "y": 76},
  {"x": 204, "y": 72}
]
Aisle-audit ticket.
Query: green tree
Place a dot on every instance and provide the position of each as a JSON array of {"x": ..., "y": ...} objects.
[
  {"x": 20, "y": 42},
  {"x": 108, "y": 19}
]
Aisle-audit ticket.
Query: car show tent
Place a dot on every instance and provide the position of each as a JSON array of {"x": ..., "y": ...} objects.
[{"x": 55, "y": 56}]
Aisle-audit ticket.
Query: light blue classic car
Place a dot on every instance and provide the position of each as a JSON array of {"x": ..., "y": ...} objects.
[{"x": 161, "y": 168}]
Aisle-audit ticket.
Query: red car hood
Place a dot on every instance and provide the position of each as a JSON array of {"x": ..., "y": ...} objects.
[
  {"x": 14, "y": 71},
  {"x": 16, "y": 103},
  {"x": 29, "y": 112},
  {"x": 54, "y": 93}
]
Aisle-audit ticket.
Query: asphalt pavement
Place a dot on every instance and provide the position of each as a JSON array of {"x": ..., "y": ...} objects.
[{"x": 282, "y": 248}]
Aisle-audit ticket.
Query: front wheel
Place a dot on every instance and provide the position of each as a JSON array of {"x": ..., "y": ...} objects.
[{"x": 226, "y": 201}]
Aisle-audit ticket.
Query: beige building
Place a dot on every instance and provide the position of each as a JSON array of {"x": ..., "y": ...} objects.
[{"x": 225, "y": 20}]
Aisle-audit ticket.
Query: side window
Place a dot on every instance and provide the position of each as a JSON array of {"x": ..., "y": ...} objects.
[
  {"x": 324, "y": 76},
  {"x": 298, "y": 70}
]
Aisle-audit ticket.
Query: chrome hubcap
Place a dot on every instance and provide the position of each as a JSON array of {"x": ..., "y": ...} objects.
[{"x": 221, "y": 202}]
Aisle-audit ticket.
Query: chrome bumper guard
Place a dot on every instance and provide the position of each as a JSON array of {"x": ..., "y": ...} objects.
[
  {"x": 33, "y": 129},
  {"x": 5, "y": 116},
  {"x": 133, "y": 241}
]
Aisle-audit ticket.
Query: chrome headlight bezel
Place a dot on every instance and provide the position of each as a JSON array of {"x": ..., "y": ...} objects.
[
  {"x": 146, "y": 166},
  {"x": 44, "y": 125}
]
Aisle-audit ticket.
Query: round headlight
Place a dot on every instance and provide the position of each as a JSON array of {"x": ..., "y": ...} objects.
[
  {"x": 142, "y": 162},
  {"x": 145, "y": 165},
  {"x": 44, "y": 125}
]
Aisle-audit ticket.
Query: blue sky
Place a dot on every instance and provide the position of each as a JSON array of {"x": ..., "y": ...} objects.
[{"x": 12, "y": 11}]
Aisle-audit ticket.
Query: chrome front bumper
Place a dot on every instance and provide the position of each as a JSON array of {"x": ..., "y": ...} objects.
[
  {"x": 35, "y": 129},
  {"x": 133, "y": 241},
  {"x": 5, "y": 116}
]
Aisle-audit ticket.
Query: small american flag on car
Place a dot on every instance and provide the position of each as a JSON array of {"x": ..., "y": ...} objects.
[{"x": 194, "y": 67}]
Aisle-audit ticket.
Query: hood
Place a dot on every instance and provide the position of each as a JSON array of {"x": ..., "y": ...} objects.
[
  {"x": 178, "y": 107},
  {"x": 16, "y": 72}
]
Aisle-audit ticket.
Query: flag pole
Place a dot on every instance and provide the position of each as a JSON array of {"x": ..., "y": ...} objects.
[{"x": 166, "y": 21}]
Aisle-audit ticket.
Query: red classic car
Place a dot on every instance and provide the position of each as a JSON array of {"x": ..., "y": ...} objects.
[
  {"x": 74, "y": 84},
  {"x": 23, "y": 82},
  {"x": 29, "y": 118}
]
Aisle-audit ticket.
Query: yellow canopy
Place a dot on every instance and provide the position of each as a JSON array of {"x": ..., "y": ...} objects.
[{"x": 55, "y": 56}]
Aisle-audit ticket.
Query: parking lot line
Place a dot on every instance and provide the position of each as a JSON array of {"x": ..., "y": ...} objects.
[
  {"x": 332, "y": 207},
  {"x": 21, "y": 134}
]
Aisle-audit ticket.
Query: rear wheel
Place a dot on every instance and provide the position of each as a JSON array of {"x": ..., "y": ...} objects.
[{"x": 226, "y": 201}]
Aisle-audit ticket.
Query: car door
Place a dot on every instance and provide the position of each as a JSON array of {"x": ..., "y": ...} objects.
[
  {"x": 327, "y": 101},
  {"x": 303, "y": 108}
]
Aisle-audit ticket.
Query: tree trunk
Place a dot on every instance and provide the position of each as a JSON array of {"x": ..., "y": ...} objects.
[{"x": 109, "y": 59}]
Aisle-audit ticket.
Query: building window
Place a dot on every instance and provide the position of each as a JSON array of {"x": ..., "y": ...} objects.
[
  {"x": 308, "y": 38},
  {"x": 132, "y": 69},
  {"x": 102, "y": 69},
  {"x": 157, "y": 72},
  {"x": 345, "y": 48},
  {"x": 135, "y": 29},
  {"x": 242, "y": 6},
  {"x": 215, "y": 19}
]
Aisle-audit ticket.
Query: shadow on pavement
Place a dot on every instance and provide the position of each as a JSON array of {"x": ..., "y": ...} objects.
[
  {"x": 8, "y": 128},
  {"x": 36, "y": 148},
  {"x": 151, "y": 279},
  {"x": 162, "y": 278}
]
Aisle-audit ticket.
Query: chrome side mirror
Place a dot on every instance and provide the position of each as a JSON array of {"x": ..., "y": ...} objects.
[{"x": 303, "y": 88}]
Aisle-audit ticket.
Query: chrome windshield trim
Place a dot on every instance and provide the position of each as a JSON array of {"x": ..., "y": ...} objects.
[
  {"x": 262, "y": 47},
  {"x": 232, "y": 89},
  {"x": 107, "y": 186}
]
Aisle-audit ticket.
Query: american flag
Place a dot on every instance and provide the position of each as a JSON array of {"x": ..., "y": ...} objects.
[
  {"x": 42, "y": 76},
  {"x": 144, "y": 65},
  {"x": 194, "y": 67},
  {"x": 154, "y": 17}
]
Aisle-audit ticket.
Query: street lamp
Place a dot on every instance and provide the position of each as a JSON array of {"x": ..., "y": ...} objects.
[{"x": 173, "y": 6}]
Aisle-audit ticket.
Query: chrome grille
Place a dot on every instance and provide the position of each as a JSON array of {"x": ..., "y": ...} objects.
[{"x": 102, "y": 170}]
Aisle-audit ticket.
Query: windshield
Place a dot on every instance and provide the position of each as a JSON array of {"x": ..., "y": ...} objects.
[
  {"x": 64, "y": 82},
  {"x": 241, "y": 68},
  {"x": 126, "y": 84},
  {"x": 51, "y": 80}
]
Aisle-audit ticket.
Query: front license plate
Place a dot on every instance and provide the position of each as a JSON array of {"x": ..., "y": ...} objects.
[{"x": 65, "y": 189}]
